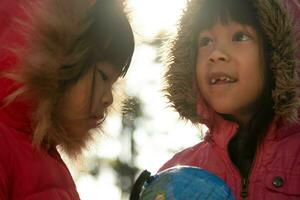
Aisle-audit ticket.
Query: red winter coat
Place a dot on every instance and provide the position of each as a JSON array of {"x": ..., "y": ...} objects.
[{"x": 26, "y": 173}]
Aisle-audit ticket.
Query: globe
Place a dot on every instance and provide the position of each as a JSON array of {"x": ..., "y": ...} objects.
[{"x": 185, "y": 183}]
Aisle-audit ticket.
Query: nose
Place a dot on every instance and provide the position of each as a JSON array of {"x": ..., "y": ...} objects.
[
  {"x": 218, "y": 55},
  {"x": 108, "y": 98}
]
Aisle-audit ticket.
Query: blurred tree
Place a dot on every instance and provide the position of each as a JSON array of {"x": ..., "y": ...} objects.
[{"x": 125, "y": 166}]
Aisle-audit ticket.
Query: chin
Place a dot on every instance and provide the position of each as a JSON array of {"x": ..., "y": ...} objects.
[
  {"x": 224, "y": 107},
  {"x": 222, "y": 110},
  {"x": 77, "y": 138},
  {"x": 76, "y": 141}
]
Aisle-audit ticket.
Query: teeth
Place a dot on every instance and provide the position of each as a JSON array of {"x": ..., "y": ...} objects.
[{"x": 223, "y": 78}]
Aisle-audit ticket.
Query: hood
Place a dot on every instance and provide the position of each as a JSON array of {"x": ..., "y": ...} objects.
[
  {"x": 37, "y": 37},
  {"x": 17, "y": 114},
  {"x": 280, "y": 23}
]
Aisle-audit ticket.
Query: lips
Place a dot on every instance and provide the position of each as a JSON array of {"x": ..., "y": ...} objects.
[
  {"x": 98, "y": 117},
  {"x": 220, "y": 78},
  {"x": 96, "y": 120}
]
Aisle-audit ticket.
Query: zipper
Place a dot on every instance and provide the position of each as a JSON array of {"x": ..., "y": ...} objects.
[
  {"x": 245, "y": 184},
  {"x": 244, "y": 180}
]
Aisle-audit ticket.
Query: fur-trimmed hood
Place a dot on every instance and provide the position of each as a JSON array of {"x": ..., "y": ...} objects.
[
  {"x": 37, "y": 38},
  {"x": 46, "y": 47},
  {"x": 280, "y": 23}
]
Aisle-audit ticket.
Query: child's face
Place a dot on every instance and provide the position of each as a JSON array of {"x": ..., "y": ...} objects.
[
  {"x": 230, "y": 69},
  {"x": 86, "y": 101}
]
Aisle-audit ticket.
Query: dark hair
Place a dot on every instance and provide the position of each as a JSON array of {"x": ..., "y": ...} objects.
[
  {"x": 213, "y": 11},
  {"x": 244, "y": 12},
  {"x": 111, "y": 38},
  {"x": 108, "y": 38}
]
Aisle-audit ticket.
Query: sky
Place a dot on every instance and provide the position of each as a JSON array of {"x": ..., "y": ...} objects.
[{"x": 160, "y": 133}]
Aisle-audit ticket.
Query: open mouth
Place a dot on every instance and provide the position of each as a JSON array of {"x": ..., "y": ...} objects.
[{"x": 220, "y": 78}]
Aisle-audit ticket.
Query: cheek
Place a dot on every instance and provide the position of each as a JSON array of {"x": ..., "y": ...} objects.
[
  {"x": 75, "y": 107},
  {"x": 258, "y": 83},
  {"x": 76, "y": 101},
  {"x": 255, "y": 74},
  {"x": 200, "y": 76},
  {"x": 97, "y": 96}
]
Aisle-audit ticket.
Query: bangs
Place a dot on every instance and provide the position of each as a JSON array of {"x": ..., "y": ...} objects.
[
  {"x": 111, "y": 36},
  {"x": 213, "y": 11},
  {"x": 120, "y": 46}
]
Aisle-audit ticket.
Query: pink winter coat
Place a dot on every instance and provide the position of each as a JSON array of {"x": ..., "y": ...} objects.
[
  {"x": 275, "y": 175},
  {"x": 26, "y": 173},
  {"x": 275, "y": 171}
]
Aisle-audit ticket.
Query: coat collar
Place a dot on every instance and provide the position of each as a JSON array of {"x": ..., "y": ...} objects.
[{"x": 224, "y": 130}]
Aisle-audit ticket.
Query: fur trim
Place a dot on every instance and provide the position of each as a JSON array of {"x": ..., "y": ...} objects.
[
  {"x": 180, "y": 60},
  {"x": 181, "y": 57},
  {"x": 278, "y": 27},
  {"x": 52, "y": 32}
]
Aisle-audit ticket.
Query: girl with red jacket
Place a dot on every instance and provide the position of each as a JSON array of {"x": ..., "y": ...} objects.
[
  {"x": 59, "y": 60},
  {"x": 233, "y": 66}
]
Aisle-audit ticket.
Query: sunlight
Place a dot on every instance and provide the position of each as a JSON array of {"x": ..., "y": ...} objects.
[
  {"x": 150, "y": 17},
  {"x": 143, "y": 80}
]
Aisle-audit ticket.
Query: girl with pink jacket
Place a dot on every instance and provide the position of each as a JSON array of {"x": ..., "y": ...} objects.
[{"x": 233, "y": 66}]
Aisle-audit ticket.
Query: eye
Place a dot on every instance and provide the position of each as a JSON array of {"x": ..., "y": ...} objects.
[
  {"x": 204, "y": 41},
  {"x": 102, "y": 74},
  {"x": 240, "y": 37}
]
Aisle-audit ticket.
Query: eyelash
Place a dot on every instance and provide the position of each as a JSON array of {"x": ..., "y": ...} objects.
[
  {"x": 240, "y": 34},
  {"x": 203, "y": 42},
  {"x": 103, "y": 75}
]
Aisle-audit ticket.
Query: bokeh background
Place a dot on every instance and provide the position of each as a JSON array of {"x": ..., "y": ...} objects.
[{"x": 149, "y": 132}]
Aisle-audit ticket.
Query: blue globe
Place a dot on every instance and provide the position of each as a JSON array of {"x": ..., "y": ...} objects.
[{"x": 185, "y": 183}]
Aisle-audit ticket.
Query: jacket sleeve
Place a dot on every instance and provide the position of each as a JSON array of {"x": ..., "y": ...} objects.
[
  {"x": 4, "y": 167},
  {"x": 3, "y": 184}
]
